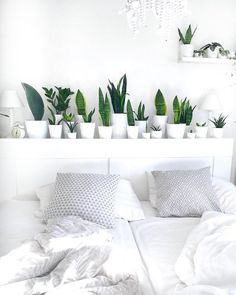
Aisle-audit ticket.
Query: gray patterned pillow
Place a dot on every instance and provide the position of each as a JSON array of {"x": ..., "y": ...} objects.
[
  {"x": 90, "y": 196},
  {"x": 184, "y": 193}
]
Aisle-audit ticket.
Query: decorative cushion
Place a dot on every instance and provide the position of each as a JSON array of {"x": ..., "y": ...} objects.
[
  {"x": 184, "y": 192},
  {"x": 90, "y": 196}
]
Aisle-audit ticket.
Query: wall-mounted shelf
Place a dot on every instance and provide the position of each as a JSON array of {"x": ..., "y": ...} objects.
[{"x": 204, "y": 60}]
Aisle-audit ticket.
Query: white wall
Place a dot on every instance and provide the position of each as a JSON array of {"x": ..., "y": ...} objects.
[{"x": 81, "y": 44}]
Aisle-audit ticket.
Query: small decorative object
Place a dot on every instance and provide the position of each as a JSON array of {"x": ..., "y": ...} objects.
[
  {"x": 156, "y": 132},
  {"x": 87, "y": 128},
  {"x": 191, "y": 134},
  {"x": 212, "y": 49},
  {"x": 186, "y": 48},
  {"x": 219, "y": 123},
  {"x": 132, "y": 130},
  {"x": 18, "y": 130},
  {"x": 201, "y": 130},
  {"x": 118, "y": 96},
  {"x": 146, "y": 135},
  {"x": 36, "y": 128},
  {"x": 161, "y": 110},
  {"x": 105, "y": 131},
  {"x": 141, "y": 119},
  {"x": 55, "y": 127},
  {"x": 223, "y": 53},
  {"x": 69, "y": 121}
]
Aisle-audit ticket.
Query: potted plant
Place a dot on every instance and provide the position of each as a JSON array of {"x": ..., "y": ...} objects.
[
  {"x": 201, "y": 130},
  {"x": 183, "y": 114},
  {"x": 132, "y": 129},
  {"x": 118, "y": 96},
  {"x": 146, "y": 134},
  {"x": 141, "y": 119},
  {"x": 80, "y": 102},
  {"x": 37, "y": 128},
  {"x": 219, "y": 123},
  {"x": 160, "y": 119},
  {"x": 105, "y": 131},
  {"x": 87, "y": 128},
  {"x": 191, "y": 134},
  {"x": 223, "y": 53},
  {"x": 186, "y": 48},
  {"x": 55, "y": 128},
  {"x": 69, "y": 121},
  {"x": 212, "y": 49},
  {"x": 156, "y": 132}
]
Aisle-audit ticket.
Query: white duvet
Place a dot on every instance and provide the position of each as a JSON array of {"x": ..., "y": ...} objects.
[
  {"x": 207, "y": 263},
  {"x": 71, "y": 257}
]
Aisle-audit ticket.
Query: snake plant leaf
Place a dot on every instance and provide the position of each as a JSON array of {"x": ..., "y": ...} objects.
[
  {"x": 118, "y": 94},
  {"x": 101, "y": 105},
  {"x": 53, "y": 120},
  {"x": 130, "y": 114},
  {"x": 160, "y": 104},
  {"x": 176, "y": 110},
  {"x": 80, "y": 102},
  {"x": 107, "y": 110},
  {"x": 181, "y": 37},
  {"x": 35, "y": 101}
]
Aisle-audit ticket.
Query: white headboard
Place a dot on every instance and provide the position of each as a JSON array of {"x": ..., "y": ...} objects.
[{"x": 29, "y": 163}]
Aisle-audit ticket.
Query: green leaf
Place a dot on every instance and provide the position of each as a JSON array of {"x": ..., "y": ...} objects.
[
  {"x": 181, "y": 37},
  {"x": 130, "y": 114},
  {"x": 80, "y": 102},
  {"x": 160, "y": 104}
]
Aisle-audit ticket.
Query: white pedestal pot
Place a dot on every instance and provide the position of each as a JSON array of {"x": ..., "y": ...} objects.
[
  {"x": 119, "y": 124},
  {"x": 142, "y": 126},
  {"x": 160, "y": 121},
  {"x": 37, "y": 129},
  {"x": 186, "y": 50},
  {"x": 132, "y": 132},
  {"x": 87, "y": 130},
  {"x": 105, "y": 132},
  {"x": 79, "y": 119},
  {"x": 156, "y": 134},
  {"x": 217, "y": 132},
  {"x": 176, "y": 130},
  {"x": 55, "y": 131},
  {"x": 72, "y": 135},
  {"x": 201, "y": 132}
]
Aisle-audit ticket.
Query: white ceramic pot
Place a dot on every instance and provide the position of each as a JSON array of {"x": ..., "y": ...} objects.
[
  {"x": 146, "y": 135},
  {"x": 191, "y": 135},
  {"x": 55, "y": 131},
  {"x": 72, "y": 135},
  {"x": 217, "y": 132},
  {"x": 176, "y": 130},
  {"x": 132, "y": 132},
  {"x": 186, "y": 50},
  {"x": 142, "y": 127},
  {"x": 160, "y": 121},
  {"x": 156, "y": 134},
  {"x": 201, "y": 132},
  {"x": 65, "y": 129},
  {"x": 37, "y": 129},
  {"x": 212, "y": 54},
  {"x": 87, "y": 130},
  {"x": 119, "y": 124},
  {"x": 105, "y": 132}
]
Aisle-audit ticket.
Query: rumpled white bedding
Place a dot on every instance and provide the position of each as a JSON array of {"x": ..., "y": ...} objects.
[
  {"x": 207, "y": 263},
  {"x": 70, "y": 257}
]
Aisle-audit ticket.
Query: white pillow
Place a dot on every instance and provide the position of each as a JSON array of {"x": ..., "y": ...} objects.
[
  {"x": 127, "y": 205},
  {"x": 152, "y": 191}
]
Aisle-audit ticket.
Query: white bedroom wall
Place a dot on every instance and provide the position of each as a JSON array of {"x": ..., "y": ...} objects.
[{"x": 81, "y": 44}]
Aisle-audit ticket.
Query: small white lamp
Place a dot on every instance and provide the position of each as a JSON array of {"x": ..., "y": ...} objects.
[
  {"x": 10, "y": 100},
  {"x": 210, "y": 104}
]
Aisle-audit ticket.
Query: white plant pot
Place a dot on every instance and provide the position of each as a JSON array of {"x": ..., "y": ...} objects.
[
  {"x": 186, "y": 50},
  {"x": 37, "y": 129},
  {"x": 142, "y": 127},
  {"x": 156, "y": 134},
  {"x": 191, "y": 135},
  {"x": 217, "y": 132},
  {"x": 176, "y": 130},
  {"x": 72, "y": 135},
  {"x": 201, "y": 132},
  {"x": 119, "y": 124},
  {"x": 160, "y": 121},
  {"x": 212, "y": 54},
  {"x": 65, "y": 129},
  {"x": 132, "y": 132},
  {"x": 146, "y": 135},
  {"x": 55, "y": 131},
  {"x": 105, "y": 132},
  {"x": 87, "y": 130}
]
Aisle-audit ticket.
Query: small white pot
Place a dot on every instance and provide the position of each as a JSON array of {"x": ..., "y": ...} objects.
[
  {"x": 161, "y": 121},
  {"x": 142, "y": 127},
  {"x": 65, "y": 129},
  {"x": 201, "y": 132},
  {"x": 217, "y": 132},
  {"x": 186, "y": 50},
  {"x": 72, "y": 135},
  {"x": 176, "y": 130},
  {"x": 132, "y": 132},
  {"x": 191, "y": 135},
  {"x": 37, "y": 129},
  {"x": 146, "y": 135},
  {"x": 212, "y": 54},
  {"x": 87, "y": 130},
  {"x": 119, "y": 124},
  {"x": 156, "y": 134},
  {"x": 55, "y": 131},
  {"x": 105, "y": 132}
]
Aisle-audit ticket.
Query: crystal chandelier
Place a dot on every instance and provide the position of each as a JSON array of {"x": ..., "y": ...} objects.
[{"x": 165, "y": 11}]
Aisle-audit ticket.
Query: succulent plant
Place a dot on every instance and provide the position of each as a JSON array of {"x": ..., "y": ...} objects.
[
  {"x": 130, "y": 114},
  {"x": 104, "y": 108},
  {"x": 118, "y": 94},
  {"x": 220, "y": 121},
  {"x": 156, "y": 128},
  {"x": 187, "y": 38},
  {"x": 160, "y": 104}
]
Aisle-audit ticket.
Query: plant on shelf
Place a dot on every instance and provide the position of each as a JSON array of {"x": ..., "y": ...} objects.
[
  {"x": 88, "y": 116},
  {"x": 212, "y": 49},
  {"x": 186, "y": 40},
  {"x": 223, "y": 53},
  {"x": 80, "y": 102},
  {"x": 87, "y": 128},
  {"x": 201, "y": 124},
  {"x": 156, "y": 131},
  {"x": 191, "y": 134},
  {"x": 186, "y": 112},
  {"x": 104, "y": 108},
  {"x": 55, "y": 127},
  {"x": 132, "y": 129},
  {"x": 201, "y": 130},
  {"x": 71, "y": 124},
  {"x": 160, "y": 104},
  {"x": 118, "y": 94},
  {"x": 140, "y": 115},
  {"x": 219, "y": 124}
]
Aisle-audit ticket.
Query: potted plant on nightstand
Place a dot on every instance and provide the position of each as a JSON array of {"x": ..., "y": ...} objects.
[
  {"x": 201, "y": 130},
  {"x": 37, "y": 128},
  {"x": 105, "y": 131},
  {"x": 186, "y": 48},
  {"x": 141, "y": 119},
  {"x": 118, "y": 96},
  {"x": 69, "y": 121},
  {"x": 160, "y": 119},
  {"x": 132, "y": 129},
  {"x": 156, "y": 132},
  {"x": 87, "y": 128},
  {"x": 212, "y": 49},
  {"x": 55, "y": 128},
  {"x": 219, "y": 123}
]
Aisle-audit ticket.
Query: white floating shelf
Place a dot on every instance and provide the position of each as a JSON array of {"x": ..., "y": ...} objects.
[{"x": 201, "y": 60}]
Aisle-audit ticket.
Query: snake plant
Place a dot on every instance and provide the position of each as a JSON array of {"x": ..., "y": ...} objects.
[
  {"x": 140, "y": 115},
  {"x": 130, "y": 114},
  {"x": 88, "y": 117},
  {"x": 160, "y": 104},
  {"x": 188, "y": 36},
  {"x": 80, "y": 102},
  {"x": 220, "y": 121},
  {"x": 183, "y": 111},
  {"x": 118, "y": 94},
  {"x": 104, "y": 108}
]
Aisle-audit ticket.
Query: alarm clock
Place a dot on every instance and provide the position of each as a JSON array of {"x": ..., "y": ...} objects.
[{"x": 18, "y": 130}]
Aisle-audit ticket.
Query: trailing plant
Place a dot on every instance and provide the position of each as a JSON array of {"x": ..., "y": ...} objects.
[
  {"x": 80, "y": 102},
  {"x": 220, "y": 121},
  {"x": 104, "y": 108},
  {"x": 68, "y": 119},
  {"x": 201, "y": 124},
  {"x": 140, "y": 115},
  {"x": 35, "y": 101},
  {"x": 183, "y": 111},
  {"x": 212, "y": 46},
  {"x": 187, "y": 38},
  {"x": 53, "y": 120},
  {"x": 59, "y": 99},
  {"x": 156, "y": 128},
  {"x": 160, "y": 104},
  {"x": 118, "y": 95},
  {"x": 130, "y": 114},
  {"x": 88, "y": 117},
  {"x": 224, "y": 52}
]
